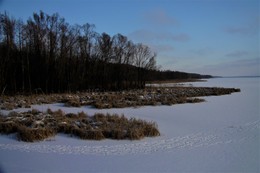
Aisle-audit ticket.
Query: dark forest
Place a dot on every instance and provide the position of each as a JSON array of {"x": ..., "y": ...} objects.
[{"x": 46, "y": 54}]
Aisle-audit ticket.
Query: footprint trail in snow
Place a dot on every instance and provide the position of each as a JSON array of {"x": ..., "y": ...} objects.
[{"x": 231, "y": 134}]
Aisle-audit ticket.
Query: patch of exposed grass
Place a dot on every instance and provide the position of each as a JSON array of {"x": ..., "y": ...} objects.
[
  {"x": 28, "y": 134},
  {"x": 36, "y": 126},
  {"x": 129, "y": 98},
  {"x": 8, "y": 127}
]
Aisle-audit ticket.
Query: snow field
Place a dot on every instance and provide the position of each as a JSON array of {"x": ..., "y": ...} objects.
[{"x": 220, "y": 135}]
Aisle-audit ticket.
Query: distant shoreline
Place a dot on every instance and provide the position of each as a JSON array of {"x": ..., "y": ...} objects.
[
  {"x": 176, "y": 81},
  {"x": 235, "y": 76}
]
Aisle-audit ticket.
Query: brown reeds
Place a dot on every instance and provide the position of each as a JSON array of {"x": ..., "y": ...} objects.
[
  {"x": 34, "y": 134},
  {"x": 130, "y": 98},
  {"x": 36, "y": 126}
]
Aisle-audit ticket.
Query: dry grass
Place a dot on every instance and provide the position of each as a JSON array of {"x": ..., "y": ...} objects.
[
  {"x": 130, "y": 98},
  {"x": 8, "y": 127},
  {"x": 36, "y": 126},
  {"x": 34, "y": 134}
]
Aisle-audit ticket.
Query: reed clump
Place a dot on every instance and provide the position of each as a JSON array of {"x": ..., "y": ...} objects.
[{"x": 36, "y": 126}]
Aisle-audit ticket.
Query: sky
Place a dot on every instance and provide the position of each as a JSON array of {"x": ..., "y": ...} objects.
[{"x": 216, "y": 37}]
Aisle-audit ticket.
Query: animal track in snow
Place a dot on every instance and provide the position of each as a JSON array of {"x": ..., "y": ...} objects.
[{"x": 231, "y": 134}]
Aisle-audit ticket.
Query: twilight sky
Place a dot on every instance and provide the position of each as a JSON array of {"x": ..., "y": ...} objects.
[{"x": 217, "y": 37}]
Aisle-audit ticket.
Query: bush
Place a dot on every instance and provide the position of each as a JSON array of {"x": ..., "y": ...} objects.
[
  {"x": 62, "y": 128},
  {"x": 82, "y": 114},
  {"x": 135, "y": 134},
  {"x": 118, "y": 134},
  {"x": 74, "y": 103},
  {"x": 89, "y": 134},
  {"x": 30, "y": 135},
  {"x": 151, "y": 130},
  {"x": 99, "y": 117},
  {"x": 8, "y": 127}
]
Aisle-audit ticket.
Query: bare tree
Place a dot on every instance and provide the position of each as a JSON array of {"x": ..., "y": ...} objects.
[
  {"x": 105, "y": 43},
  {"x": 144, "y": 59},
  {"x": 120, "y": 48},
  {"x": 6, "y": 61},
  {"x": 8, "y": 30}
]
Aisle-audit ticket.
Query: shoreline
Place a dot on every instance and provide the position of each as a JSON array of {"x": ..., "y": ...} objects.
[
  {"x": 176, "y": 81},
  {"x": 118, "y": 99}
]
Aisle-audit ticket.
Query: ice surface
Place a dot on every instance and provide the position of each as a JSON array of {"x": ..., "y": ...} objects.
[{"x": 219, "y": 135}]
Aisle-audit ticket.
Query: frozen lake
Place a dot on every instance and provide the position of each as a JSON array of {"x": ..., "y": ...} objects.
[{"x": 219, "y": 135}]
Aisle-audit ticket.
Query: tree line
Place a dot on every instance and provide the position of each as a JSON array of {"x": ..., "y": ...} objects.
[{"x": 47, "y": 54}]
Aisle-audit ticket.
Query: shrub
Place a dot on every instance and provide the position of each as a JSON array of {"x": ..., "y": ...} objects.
[
  {"x": 49, "y": 111},
  {"x": 89, "y": 134},
  {"x": 151, "y": 130},
  {"x": 63, "y": 127},
  {"x": 27, "y": 120},
  {"x": 118, "y": 134},
  {"x": 8, "y": 127},
  {"x": 82, "y": 114},
  {"x": 9, "y": 106},
  {"x": 135, "y": 134},
  {"x": 58, "y": 113},
  {"x": 30, "y": 134},
  {"x": 195, "y": 100},
  {"x": 99, "y": 117},
  {"x": 74, "y": 103},
  {"x": 35, "y": 111}
]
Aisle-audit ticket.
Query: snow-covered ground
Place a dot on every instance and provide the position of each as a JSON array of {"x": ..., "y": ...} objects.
[{"x": 220, "y": 135}]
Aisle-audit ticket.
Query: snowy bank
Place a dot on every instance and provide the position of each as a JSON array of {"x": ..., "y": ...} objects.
[{"x": 219, "y": 135}]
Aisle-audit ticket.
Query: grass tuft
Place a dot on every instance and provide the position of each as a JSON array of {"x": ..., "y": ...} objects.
[{"x": 30, "y": 134}]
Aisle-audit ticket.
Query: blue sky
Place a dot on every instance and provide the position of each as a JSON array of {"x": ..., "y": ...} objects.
[{"x": 217, "y": 37}]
